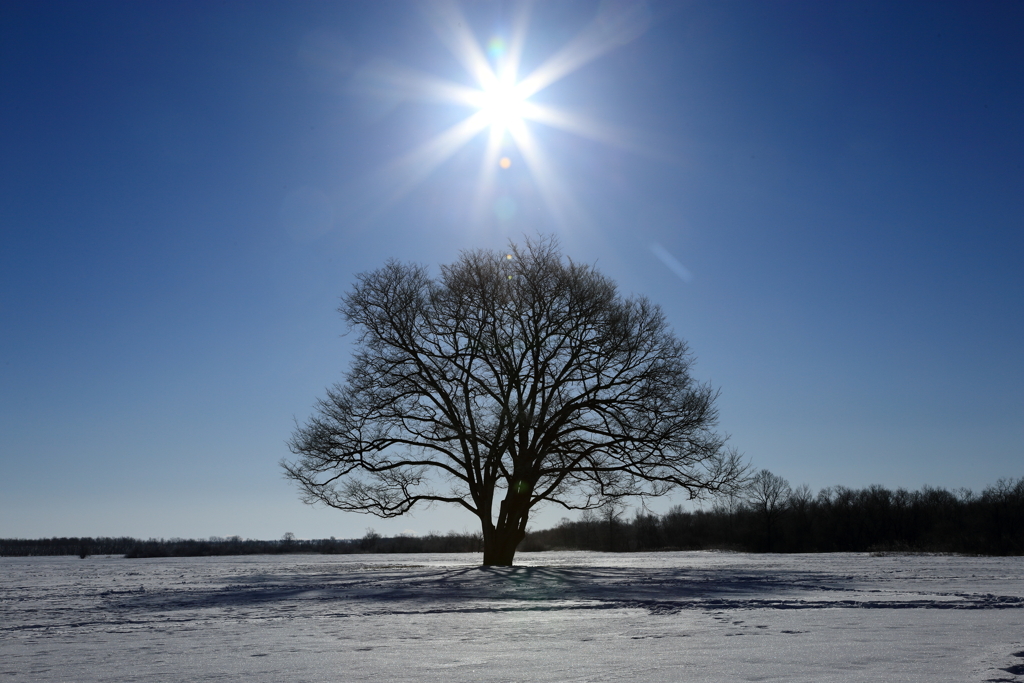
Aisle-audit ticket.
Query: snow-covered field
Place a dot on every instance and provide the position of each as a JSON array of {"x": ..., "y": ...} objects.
[{"x": 557, "y": 617}]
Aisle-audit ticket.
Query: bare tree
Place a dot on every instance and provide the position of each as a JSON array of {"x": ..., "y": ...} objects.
[
  {"x": 769, "y": 493},
  {"x": 801, "y": 498},
  {"x": 519, "y": 376}
]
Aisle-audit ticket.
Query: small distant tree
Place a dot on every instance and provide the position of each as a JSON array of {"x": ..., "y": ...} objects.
[
  {"x": 647, "y": 531},
  {"x": 611, "y": 520},
  {"x": 768, "y": 494},
  {"x": 801, "y": 507},
  {"x": 512, "y": 379},
  {"x": 801, "y": 499},
  {"x": 369, "y": 541}
]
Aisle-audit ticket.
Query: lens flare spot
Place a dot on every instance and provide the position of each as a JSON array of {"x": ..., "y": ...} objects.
[
  {"x": 495, "y": 47},
  {"x": 505, "y": 162},
  {"x": 505, "y": 208}
]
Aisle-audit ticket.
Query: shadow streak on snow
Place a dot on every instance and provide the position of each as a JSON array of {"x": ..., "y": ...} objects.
[{"x": 424, "y": 590}]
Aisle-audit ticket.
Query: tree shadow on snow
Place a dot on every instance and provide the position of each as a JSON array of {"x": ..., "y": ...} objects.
[{"x": 398, "y": 588}]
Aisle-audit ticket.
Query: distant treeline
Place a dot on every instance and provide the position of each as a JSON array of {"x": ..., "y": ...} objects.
[
  {"x": 774, "y": 518},
  {"x": 768, "y": 517},
  {"x": 178, "y": 547}
]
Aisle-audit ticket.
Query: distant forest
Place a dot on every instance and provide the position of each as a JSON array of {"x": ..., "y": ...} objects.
[{"x": 769, "y": 517}]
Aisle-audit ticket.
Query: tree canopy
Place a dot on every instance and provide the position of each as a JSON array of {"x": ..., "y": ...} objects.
[{"x": 513, "y": 378}]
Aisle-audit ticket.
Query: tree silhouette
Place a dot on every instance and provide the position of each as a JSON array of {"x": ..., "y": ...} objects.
[
  {"x": 519, "y": 377},
  {"x": 769, "y": 494}
]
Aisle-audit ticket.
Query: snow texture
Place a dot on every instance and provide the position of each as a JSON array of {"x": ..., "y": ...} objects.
[{"x": 690, "y": 616}]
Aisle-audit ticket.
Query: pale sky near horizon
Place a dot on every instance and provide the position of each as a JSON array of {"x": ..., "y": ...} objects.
[{"x": 827, "y": 199}]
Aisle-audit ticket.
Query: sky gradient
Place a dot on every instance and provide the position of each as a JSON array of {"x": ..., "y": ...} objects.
[{"x": 827, "y": 199}]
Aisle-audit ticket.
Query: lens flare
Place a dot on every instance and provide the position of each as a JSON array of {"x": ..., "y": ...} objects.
[
  {"x": 500, "y": 103},
  {"x": 505, "y": 208},
  {"x": 496, "y": 48}
]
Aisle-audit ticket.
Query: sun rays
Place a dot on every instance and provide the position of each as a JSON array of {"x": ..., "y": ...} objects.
[{"x": 499, "y": 102}]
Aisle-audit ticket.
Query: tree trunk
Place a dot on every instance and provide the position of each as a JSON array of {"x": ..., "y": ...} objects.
[
  {"x": 500, "y": 548},
  {"x": 501, "y": 540}
]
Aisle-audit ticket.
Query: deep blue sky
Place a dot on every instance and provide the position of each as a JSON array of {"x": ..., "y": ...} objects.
[{"x": 187, "y": 188}]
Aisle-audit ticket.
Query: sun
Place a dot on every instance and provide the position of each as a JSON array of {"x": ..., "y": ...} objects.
[
  {"x": 500, "y": 104},
  {"x": 503, "y": 105}
]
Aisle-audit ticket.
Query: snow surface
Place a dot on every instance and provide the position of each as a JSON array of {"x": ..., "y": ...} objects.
[{"x": 573, "y": 616}]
